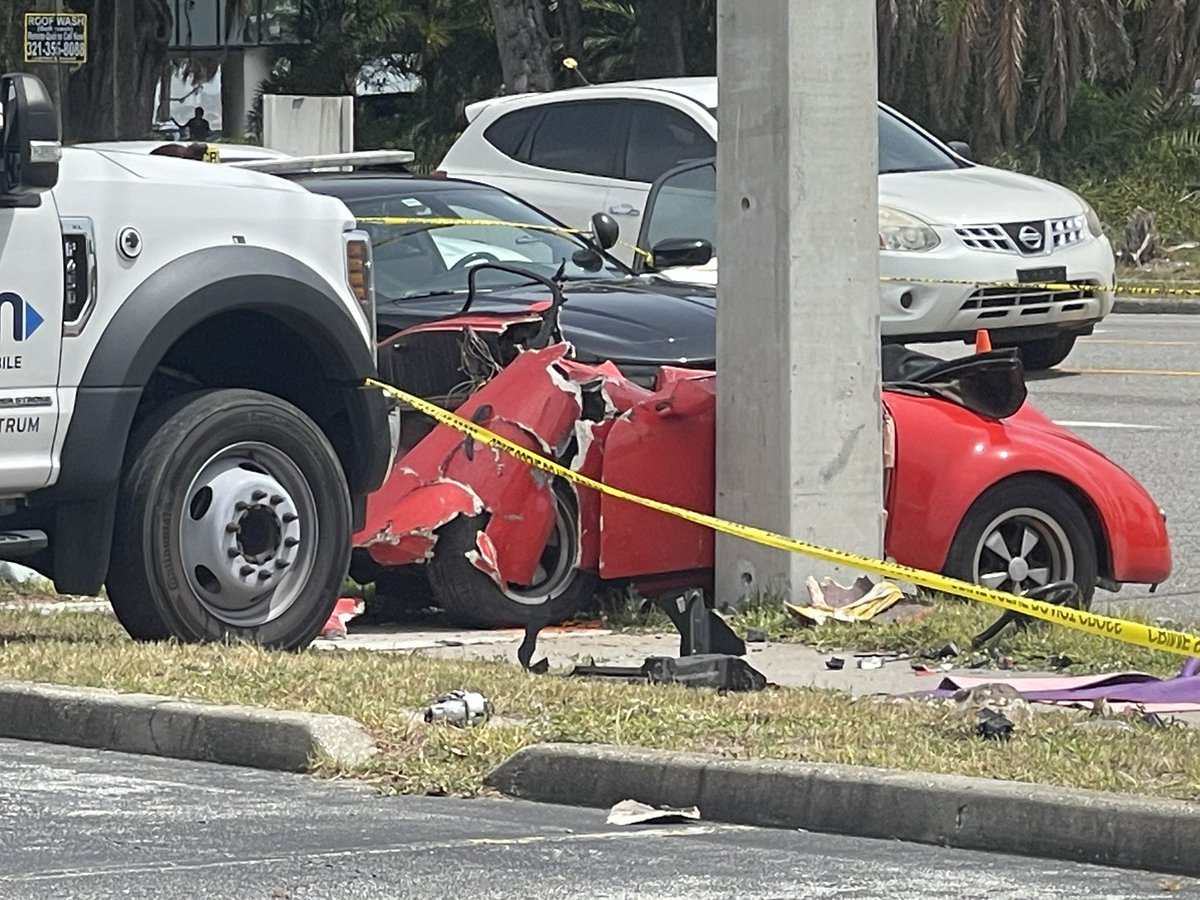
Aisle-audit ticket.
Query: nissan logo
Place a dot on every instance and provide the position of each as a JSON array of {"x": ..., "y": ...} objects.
[{"x": 1030, "y": 237}]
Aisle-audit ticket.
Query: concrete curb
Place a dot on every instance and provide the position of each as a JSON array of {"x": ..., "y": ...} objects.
[
  {"x": 163, "y": 726},
  {"x": 945, "y": 810},
  {"x": 1167, "y": 305}
]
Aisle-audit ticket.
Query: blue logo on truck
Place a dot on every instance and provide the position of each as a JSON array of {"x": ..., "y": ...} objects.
[{"x": 25, "y": 319}]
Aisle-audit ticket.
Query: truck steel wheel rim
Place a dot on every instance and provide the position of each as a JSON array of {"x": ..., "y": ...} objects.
[
  {"x": 1022, "y": 549},
  {"x": 556, "y": 568},
  {"x": 248, "y": 534}
]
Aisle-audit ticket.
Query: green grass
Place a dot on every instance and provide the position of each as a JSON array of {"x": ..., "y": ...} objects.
[{"x": 380, "y": 690}]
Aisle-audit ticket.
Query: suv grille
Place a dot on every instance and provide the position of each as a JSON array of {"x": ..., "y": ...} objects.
[
  {"x": 1034, "y": 238},
  {"x": 998, "y": 302}
]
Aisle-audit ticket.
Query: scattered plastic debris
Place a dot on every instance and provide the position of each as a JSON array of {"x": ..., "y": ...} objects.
[
  {"x": 631, "y": 812},
  {"x": 994, "y": 725},
  {"x": 947, "y": 651},
  {"x": 344, "y": 610},
  {"x": 870, "y": 662},
  {"x": 835, "y": 662},
  {"x": 756, "y": 636},
  {"x": 460, "y": 708}
]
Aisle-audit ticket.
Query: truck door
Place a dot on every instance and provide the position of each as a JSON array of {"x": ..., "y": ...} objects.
[{"x": 32, "y": 274}]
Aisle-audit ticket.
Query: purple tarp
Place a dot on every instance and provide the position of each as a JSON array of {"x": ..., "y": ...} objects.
[{"x": 1178, "y": 694}]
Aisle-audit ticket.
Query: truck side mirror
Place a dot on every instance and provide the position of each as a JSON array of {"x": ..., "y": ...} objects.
[{"x": 31, "y": 146}]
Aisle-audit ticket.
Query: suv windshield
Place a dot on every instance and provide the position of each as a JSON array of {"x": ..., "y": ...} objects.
[
  {"x": 904, "y": 149},
  {"x": 421, "y": 249}
]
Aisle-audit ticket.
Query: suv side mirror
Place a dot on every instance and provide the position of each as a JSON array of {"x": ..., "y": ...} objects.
[
  {"x": 605, "y": 230},
  {"x": 673, "y": 252},
  {"x": 962, "y": 148},
  {"x": 31, "y": 146}
]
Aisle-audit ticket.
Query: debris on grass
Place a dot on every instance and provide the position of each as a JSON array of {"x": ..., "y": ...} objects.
[
  {"x": 860, "y": 602},
  {"x": 460, "y": 708},
  {"x": 381, "y": 690}
]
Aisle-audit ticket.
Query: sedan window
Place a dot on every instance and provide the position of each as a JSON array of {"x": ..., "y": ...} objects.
[
  {"x": 685, "y": 207},
  {"x": 426, "y": 242}
]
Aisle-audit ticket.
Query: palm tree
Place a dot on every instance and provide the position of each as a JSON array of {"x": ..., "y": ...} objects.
[{"x": 1002, "y": 68}]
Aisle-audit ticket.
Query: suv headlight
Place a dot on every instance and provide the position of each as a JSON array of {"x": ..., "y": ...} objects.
[
  {"x": 901, "y": 231},
  {"x": 1093, "y": 220},
  {"x": 1095, "y": 227}
]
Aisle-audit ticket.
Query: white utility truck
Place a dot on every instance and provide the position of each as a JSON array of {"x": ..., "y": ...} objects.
[{"x": 183, "y": 416}]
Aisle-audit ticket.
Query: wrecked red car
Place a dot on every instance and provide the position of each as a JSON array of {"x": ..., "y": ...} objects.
[{"x": 1020, "y": 502}]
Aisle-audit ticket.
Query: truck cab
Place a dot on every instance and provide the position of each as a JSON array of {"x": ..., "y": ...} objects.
[{"x": 184, "y": 419}]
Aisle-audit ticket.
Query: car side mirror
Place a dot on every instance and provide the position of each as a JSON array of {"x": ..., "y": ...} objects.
[
  {"x": 962, "y": 148},
  {"x": 31, "y": 146},
  {"x": 605, "y": 230},
  {"x": 673, "y": 252}
]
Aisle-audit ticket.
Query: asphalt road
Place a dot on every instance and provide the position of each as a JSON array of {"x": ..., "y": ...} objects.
[
  {"x": 1132, "y": 390},
  {"x": 88, "y": 824}
]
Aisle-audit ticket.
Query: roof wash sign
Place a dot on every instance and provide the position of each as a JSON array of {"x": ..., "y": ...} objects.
[{"x": 56, "y": 38}]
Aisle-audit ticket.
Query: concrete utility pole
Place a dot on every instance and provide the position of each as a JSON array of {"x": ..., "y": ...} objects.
[{"x": 799, "y": 447}]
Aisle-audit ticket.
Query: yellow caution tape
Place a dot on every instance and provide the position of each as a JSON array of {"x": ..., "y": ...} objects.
[
  {"x": 1055, "y": 286},
  {"x": 1050, "y": 286},
  {"x": 441, "y": 221},
  {"x": 1092, "y": 623}
]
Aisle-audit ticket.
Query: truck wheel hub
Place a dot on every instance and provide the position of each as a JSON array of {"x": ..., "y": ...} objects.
[{"x": 242, "y": 531}]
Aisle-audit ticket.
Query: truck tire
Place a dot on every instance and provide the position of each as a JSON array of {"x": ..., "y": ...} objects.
[{"x": 233, "y": 521}]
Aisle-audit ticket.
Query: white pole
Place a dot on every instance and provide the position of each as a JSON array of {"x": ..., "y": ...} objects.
[{"x": 799, "y": 447}]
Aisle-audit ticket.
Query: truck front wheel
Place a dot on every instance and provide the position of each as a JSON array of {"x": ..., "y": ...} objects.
[{"x": 233, "y": 521}]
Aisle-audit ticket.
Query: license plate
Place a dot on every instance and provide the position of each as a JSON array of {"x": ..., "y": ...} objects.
[{"x": 1047, "y": 275}]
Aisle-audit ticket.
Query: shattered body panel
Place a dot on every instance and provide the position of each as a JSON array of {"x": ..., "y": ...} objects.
[
  {"x": 939, "y": 458},
  {"x": 447, "y": 475}
]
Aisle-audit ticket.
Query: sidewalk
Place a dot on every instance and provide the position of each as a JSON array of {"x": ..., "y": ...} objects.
[{"x": 785, "y": 664}]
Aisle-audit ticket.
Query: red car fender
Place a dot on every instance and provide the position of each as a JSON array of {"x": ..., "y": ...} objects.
[
  {"x": 947, "y": 456},
  {"x": 403, "y": 514}
]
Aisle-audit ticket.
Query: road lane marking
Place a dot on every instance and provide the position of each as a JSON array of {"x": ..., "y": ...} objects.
[
  {"x": 1127, "y": 425},
  {"x": 1165, "y": 373},
  {"x": 1140, "y": 343}
]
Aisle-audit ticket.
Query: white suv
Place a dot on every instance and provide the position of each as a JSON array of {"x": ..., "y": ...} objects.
[{"x": 602, "y": 148}]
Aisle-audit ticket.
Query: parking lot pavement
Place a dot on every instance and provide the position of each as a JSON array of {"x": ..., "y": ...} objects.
[{"x": 89, "y": 824}]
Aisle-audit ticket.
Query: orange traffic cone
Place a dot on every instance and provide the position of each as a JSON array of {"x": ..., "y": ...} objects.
[{"x": 983, "y": 341}]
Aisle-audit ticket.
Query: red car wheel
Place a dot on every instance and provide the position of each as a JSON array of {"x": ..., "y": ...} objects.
[
  {"x": 471, "y": 598},
  {"x": 1023, "y": 533}
]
